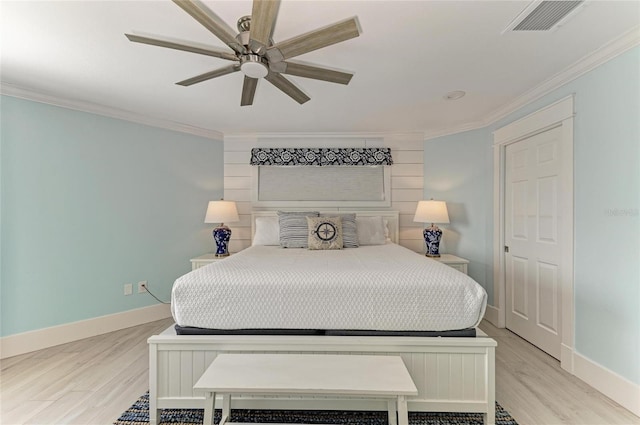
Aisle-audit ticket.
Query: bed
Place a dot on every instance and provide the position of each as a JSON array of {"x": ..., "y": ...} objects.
[{"x": 452, "y": 373}]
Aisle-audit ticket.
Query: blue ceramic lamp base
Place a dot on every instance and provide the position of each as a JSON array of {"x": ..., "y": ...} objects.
[
  {"x": 432, "y": 237},
  {"x": 222, "y": 235}
]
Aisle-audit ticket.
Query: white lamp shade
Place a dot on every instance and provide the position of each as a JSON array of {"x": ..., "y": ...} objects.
[
  {"x": 221, "y": 212},
  {"x": 431, "y": 212}
]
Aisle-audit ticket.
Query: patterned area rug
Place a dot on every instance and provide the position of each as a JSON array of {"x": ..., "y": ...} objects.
[{"x": 139, "y": 414}]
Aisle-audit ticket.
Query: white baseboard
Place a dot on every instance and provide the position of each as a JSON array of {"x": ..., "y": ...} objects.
[
  {"x": 566, "y": 358},
  {"x": 27, "y": 342},
  {"x": 609, "y": 383},
  {"x": 491, "y": 315}
]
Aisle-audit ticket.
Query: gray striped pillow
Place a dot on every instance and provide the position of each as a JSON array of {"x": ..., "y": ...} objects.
[
  {"x": 294, "y": 231},
  {"x": 349, "y": 229}
]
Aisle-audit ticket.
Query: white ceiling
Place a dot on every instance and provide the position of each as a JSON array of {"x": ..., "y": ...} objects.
[{"x": 410, "y": 54}]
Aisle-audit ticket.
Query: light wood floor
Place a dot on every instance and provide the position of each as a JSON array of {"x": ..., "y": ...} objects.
[
  {"x": 93, "y": 380},
  {"x": 532, "y": 387}
]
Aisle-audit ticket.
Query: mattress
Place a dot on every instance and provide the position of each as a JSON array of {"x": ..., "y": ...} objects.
[{"x": 382, "y": 287}]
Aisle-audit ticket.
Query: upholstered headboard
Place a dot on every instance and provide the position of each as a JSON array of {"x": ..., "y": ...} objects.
[{"x": 391, "y": 217}]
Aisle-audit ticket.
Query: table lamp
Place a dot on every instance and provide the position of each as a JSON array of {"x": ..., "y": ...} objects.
[
  {"x": 219, "y": 212},
  {"x": 432, "y": 212}
]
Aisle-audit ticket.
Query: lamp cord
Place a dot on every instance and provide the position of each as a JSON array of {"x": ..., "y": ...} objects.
[{"x": 157, "y": 299}]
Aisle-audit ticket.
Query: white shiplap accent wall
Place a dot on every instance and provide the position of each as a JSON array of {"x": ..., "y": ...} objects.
[{"x": 407, "y": 175}]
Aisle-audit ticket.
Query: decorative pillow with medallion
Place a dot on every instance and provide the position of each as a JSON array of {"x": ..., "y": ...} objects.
[
  {"x": 325, "y": 232},
  {"x": 349, "y": 229}
]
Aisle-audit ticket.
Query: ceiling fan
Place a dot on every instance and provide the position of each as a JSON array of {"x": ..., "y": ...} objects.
[{"x": 255, "y": 54}]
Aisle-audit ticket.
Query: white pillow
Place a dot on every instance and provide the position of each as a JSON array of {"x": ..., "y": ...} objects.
[
  {"x": 371, "y": 230},
  {"x": 267, "y": 231}
]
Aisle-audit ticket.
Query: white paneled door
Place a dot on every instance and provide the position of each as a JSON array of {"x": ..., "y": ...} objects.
[{"x": 533, "y": 169}]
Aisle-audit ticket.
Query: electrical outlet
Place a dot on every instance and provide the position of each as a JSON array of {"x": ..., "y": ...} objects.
[
  {"x": 128, "y": 288},
  {"x": 142, "y": 286}
]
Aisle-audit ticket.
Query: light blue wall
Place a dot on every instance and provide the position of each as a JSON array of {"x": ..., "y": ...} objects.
[
  {"x": 456, "y": 171},
  {"x": 607, "y": 203},
  {"x": 89, "y": 203}
]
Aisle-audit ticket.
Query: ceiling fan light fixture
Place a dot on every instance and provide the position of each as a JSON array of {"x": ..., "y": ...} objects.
[
  {"x": 254, "y": 52},
  {"x": 252, "y": 66}
]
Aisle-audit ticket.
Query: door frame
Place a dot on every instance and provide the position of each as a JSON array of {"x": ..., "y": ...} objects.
[{"x": 558, "y": 114}]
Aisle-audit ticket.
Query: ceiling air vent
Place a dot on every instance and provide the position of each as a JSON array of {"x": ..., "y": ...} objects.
[{"x": 544, "y": 15}]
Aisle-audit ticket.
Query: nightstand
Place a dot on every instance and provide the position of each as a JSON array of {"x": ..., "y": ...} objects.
[
  {"x": 457, "y": 263},
  {"x": 203, "y": 260}
]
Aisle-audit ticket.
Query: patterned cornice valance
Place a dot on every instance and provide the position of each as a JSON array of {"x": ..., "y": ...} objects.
[{"x": 321, "y": 156}]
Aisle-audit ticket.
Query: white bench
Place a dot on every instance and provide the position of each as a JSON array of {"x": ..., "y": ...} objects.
[{"x": 311, "y": 374}]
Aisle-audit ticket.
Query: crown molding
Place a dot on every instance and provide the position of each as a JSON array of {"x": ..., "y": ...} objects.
[
  {"x": 320, "y": 135},
  {"x": 434, "y": 134},
  {"x": 93, "y": 108},
  {"x": 616, "y": 47},
  {"x": 625, "y": 42}
]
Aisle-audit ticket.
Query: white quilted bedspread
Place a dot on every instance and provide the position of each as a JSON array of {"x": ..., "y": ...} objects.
[{"x": 382, "y": 287}]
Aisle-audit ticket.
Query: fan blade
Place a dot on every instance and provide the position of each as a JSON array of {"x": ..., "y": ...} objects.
[
  {"x": 201, "y": 50},
  {"x": 263, "y": 21},
  {"x": 209, "y": 75},
  {"x": 287, "y": 87},
  {"x": 315, "y": 72},
  {"x": 212, "y": 22},
  {"x": 248, "y": 91},
  {"x": 314, "y": 40}
]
